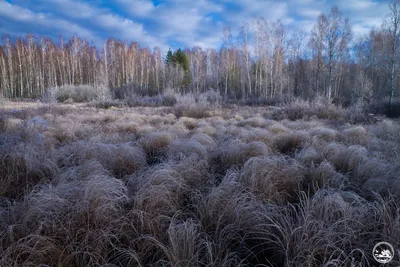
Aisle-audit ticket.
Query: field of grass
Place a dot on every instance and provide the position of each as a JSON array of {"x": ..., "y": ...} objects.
[{"x": 195, "y": 186}]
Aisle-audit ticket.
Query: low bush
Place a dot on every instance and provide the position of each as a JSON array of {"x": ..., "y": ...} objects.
[
  {"x": 188, "y": 106},
  {"x": 299, "y": 109},
  {"x": 197, "y": 107},
  {"x": 169, "y": 100},
  {"x": 213, "y": 97},
  {"x": 74, "y": 93}
]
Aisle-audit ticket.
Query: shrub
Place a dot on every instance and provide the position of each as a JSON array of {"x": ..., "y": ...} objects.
[
  {"x": 49, "y": 96},
  {"x": 300, "y": 109},
  {"x": 297, "y": 110},
  {"x": 324, "y": 109},
  {"x": 74, "y": 93},
  {"x": 187, "y": 106},
  {"x": 169, "y": 99},
  {"x": 127, "y": 91},
  {"x": 213, "y": 97}
]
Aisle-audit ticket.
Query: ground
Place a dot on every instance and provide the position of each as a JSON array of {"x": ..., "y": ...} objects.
[{"x": 233, "y": 186}]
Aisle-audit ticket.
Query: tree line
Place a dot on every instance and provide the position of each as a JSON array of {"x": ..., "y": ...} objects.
[{"x": 266, "y": 60}]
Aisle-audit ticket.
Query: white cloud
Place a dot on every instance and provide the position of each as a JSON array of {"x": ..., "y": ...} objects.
[
  {"x": 59, "y": 26},
  {"x": 177, "y": 22},
  {"x": 141, "y": 8},
  {"x": 308, "y": 12},
  {"x": 187, "y": 22},
  {"x": 357, "y": 5},
  {"x": 105, "y": 22}
]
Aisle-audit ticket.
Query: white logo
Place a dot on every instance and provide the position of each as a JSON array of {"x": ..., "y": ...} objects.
[{"x": 383, "y": 252}]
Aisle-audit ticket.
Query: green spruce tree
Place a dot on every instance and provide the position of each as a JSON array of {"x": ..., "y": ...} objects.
[
  {"x": 181, "y": 59},
  {"x": 169, "y": 60}
]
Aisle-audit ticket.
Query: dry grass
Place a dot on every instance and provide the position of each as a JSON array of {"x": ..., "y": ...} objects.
[
  {"x": 195, "y": 184},
  {"x": 275, "y": 178}
]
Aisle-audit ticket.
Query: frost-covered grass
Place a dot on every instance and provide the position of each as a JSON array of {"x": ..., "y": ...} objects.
[{"x": 195, "y": 185}]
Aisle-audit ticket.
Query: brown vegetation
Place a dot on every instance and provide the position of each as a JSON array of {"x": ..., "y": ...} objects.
[{"x": 90, "y": 185}]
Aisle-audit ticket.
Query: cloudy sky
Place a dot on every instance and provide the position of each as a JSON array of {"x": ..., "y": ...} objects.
[{"x": 172, "y": 23}]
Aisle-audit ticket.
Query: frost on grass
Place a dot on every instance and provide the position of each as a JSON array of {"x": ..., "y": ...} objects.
[{"x": 195, "y": 184}]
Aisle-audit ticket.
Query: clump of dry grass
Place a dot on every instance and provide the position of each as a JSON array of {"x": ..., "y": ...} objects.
[
  {"x": 278, "y": 128},
  {"x": 387, "y": 130},
  {"x": 189, "y": 123},
  {"x": 205, "y": 127},
  {"x": 61, "y": 134},
  {"x": 256, "y": 121},
  {"x": 185, "y": 243},
  {"x": 186, "y": 148},
  {"x": 345, "y": 159},
  {"x": 308, "y": 156},
  {"x": 196, "y": 175},
  {"x": 291, "y": 142},
  {"x": 275, "y": 178},
  {"x": 232, "y": 155},
  {"x": 226, "y": 214},
  {"x": 157, "y": 191},
  {"x": 304, "y": 233},
  {"x": 120, "y": 159},
  {"x": 206, "y": 140},
  {"x": 22, "y": 166},
  {"x": 122, "y": 127},
  {"x": 13, "y": 125},
  {"x": 83, "y": 171},
  {"x": 325, "y": 134},
  {"x": 262, "y": 135},
  {"x": 67, "y": 224},
  {"x": 355, "y": 135},
  {"x": 155, "y": 145},
  {"x": 324, "y": 175}
]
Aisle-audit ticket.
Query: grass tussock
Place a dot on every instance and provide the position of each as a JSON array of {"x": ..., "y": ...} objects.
[
  {"x": 156, "y": 144},
  {"x": 182, "y": 181},
  {"x": 275, "y": 178},
  {"x": 231, "y": 155},
  {"x": 120, "y": 160},
  {"x": 290, "y": 143}
]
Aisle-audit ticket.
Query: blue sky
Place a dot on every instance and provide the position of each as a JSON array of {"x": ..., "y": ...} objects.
[{"x": 173, "y": 23}]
